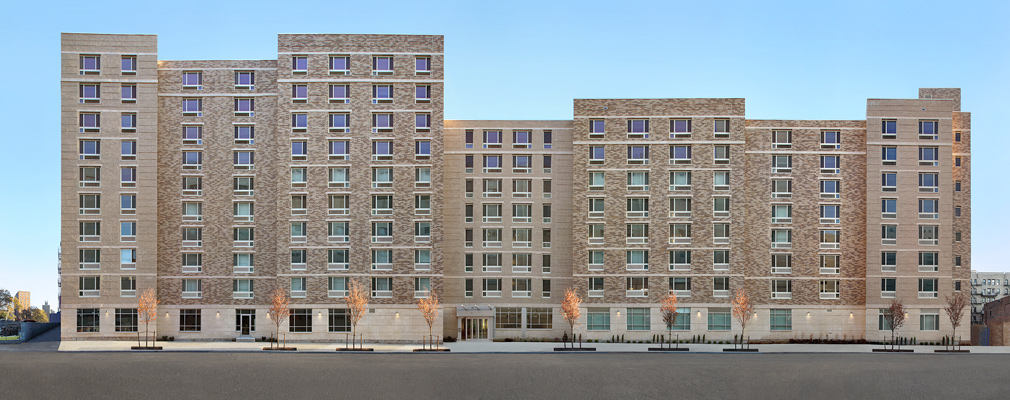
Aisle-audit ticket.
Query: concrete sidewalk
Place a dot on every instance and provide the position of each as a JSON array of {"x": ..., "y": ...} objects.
[{"x": 502, "y": 347}]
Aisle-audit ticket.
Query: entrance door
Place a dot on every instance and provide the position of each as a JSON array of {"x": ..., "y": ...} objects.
[
  {"x": 245, "y": 324},
  {"x": 474, "y": 328}
]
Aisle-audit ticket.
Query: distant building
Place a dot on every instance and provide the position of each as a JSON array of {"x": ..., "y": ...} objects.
[
  {"x": 25, "y": 298},
  {"x": 987, "y": 287},
  {"x": 45, "y": 307}
]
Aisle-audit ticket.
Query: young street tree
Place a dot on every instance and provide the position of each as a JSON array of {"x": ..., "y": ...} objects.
[
  {"x": 279, "y": 311},
  {"x": 357, "y": 305},
  {"x": 894, "y": 317},
  {"x": 955, "y": 310},
  {"x": 669, "y": 310},
  {"x": 571, "y": 311},
  {"x": 743, "y": 311},
  {"x": 428, "y": 306},
  {"x": 147, "y": 311}
]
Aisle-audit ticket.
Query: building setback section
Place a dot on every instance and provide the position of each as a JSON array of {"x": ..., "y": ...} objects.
[{"x": 333, "y": 163}]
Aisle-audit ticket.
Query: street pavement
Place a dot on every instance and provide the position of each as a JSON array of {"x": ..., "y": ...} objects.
[{"x": 215, "y": 375}]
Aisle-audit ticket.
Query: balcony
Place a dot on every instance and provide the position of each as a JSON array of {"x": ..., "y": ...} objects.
[
  {"x": 830, "y": 220},
  {"x": 492, "y": 195},
  {"x": 888, "y": 242},
  {"x": 888, "y": 268},
  {"x": 128, "y": 266},
  {"x": 491, "y": 268},
  {"x": 829, "y": 271},
  {"x": 782, "y": 245},
  {"x": 928, "y": 268},
  {"x": 242, "y": 243},
  {"x": 522, "y": 220},
  {"x": 680, "y": 214},
  {"x": 382, "y": 294},
  {"x": 89, "y": 238},
  {"x": 782, "y": 195},
  {"x": 299, "y": 211},
  {"x": 522, "y": 293},
  {"x": 782, "y": 270},
  {"x": 832, "y": 245},
  {"x": 382, "y": 211},
  {"x": 522, "y": 195}
]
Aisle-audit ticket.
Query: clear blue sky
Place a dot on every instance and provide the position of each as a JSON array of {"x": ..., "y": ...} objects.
[{"x": 528, "y": 60}]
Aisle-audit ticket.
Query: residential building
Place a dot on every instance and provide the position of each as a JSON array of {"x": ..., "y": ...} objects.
[
  {"x": 24, "y": 298},
  {"x": 987, "y": 287},
  {"x": 334, "y": 163}
]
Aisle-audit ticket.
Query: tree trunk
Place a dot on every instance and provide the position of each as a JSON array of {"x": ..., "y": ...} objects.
[{"x": 742, "y": 330}]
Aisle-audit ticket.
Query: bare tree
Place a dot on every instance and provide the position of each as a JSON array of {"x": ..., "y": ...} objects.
[
  {"x": 669, "y": 310},
  {"x": 571, "y": 311},
  {"x": 279, "y": 310},
  {"x": 357, "y": 305},
  {"x": 743, "y": 311},
  {"x": 955, "y": 310},
  {"x": 147, "y": 311},
  {"x": 428, "y": 306},
  {"x": 894, "y": 317}
]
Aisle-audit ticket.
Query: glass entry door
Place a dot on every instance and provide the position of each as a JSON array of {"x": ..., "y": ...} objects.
[
  {"x": 474, "y": 328},
  {"x": 245, "y": 324}
]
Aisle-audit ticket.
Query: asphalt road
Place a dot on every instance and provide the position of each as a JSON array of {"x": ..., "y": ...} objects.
[{"x": 519, "y": 376}]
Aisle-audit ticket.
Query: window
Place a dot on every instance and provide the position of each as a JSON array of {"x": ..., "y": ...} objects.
[
  {"x": 721, "y": 154},
  {"x": 298, "y": 287},
  {"x": 680, "y": 154},
  {"x": 782, "y": 213},
  {"x": 382, "y": 65},
  {"x": 638, "y": 319},
  {"x": 830, "y": 289},
  {"x": 90, "y": 204},
  {"x": 90, "y": 149},
  {"x": 830, "y": 214},
  {"x": 782, "y": 238},
  {"x": 191, "y": 80},
  {"x": 300, "y": 320},
  {"x": 889, "y": 208},
  {"x": 382, "y": 232},
  {"x": 521, "y": 164},
  {"x": 299, "y": 122},
  {"x": 189, "y": 320},
  {"x": 889, "y": 155},
  {"x": 830, "y": 139},
  {"x": 929, "y": 320},
  {"x": 928, "y": 288},
  {"x": 929, "y": 262},
  {"x": 336, "y": 286},
  {"x": 126, "y": 320},
  {"x": 680, "y": 233},
  {"x": 88, "y": 320},
  {"x": 596, "y": 180},
  {"x": 638, "y": 286},
  {"x": 780, "y": 320},
  {"x": 339, "y": 94},
  {"x": 680, "y": 180},
  {"x": 422, "y": 259},
  {"x": 830, "y": 189},
  {"x": 340, "y": 65},
  {"x": 830, "y": 164},
  {"x": 638, "y": 128},
  {"x": 90, "y": 65},
  {"x": 637, "y": 207},
  {"x": 299, "y": 64},
  {"x": 887, "y": 287},
  {"x": 90, "y": 93},
  {"x": 782, "y": 164},
  {"x": 508, "y": 318},
  {"x": 192, "y": 107},
  {"x": 242, "y": 288},
  {"x": 720, "y": 179},
  {"x": 782, "y": 289},
  {"x": 782, "y": 139},
  {"x": 720, "y": 233},
  {"x": 638, "y": 155},
  {"x": 339, "y": 320},
  {"x": 929, "y": 182},
  {"x": 830, "y": 263},
  {"x": 422, "y": 65},
  {"x": 128, "y": 231},
  {"x": 522, "y": 287},
  {"x": 637, "y": 260},
  {"x": 91, "y": 122},
  {"x": 597, "y": 127},
  {"x": 721, "y": 127},
  {"x": 929, "y": 129},
  {"x": 596, "y": 154},
  {"x": 299, "y": 93},
  {"x": 382, "y": 94},
  {"x": 683, "y": 321},
  {"x": 889, "y": 182},
  {"x": 680, "y": 127},
  {"x": 929, "y": 208},
  {"x": 720, "y": 259},
  {"x": 888, "y": 261},
  {"x": 128, "y": 286},
  {"x": 830, "y": 239},
  {"x": 422, "y": 93},
  {"x": 720, "y": 286},
  {"x": 382, "y": 150},
  {"x": 782, "y": 263},
  {"x": 128, "y": 93},
  {"x": 596, "y": 258},
  {"x": 382, "y": 287},
  {"x": 127, "y": 204},
  {"x": 929, "y": 156},
  {"x": 382, "y": 122},
  {"x": 681, "y": 286},
  {"x": 245, "y": 79},
  {"x": 719, "y": 319},
  {"x": 422, "y": 123},
  {"x": 596, "y": 287},
  {"x": 889, "y": 128},
  {"x": 598, "y": 319},
  {"x": 492, "y": 288}
]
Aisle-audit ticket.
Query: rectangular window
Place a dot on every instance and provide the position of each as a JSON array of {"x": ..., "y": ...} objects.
[
  {"x": 929, "y": 129},
  {"x": 782, "y": 164},
  {"x": 508, "y": 318},
  {"x": 192, "y": 80},
  {"x": 721, "y": 128},
  {"x": 189, "y": 320},
  {"x": 382, "y": 65},
  {"x": 889, "y": 128},
  {"x": 888, "y": 286},
  {"x": 300, "y": 320},
  {"x": 492, "y": 139},
  {"x": 88, "y": 320},
  {"x": 929, "y": 320},
  {"x": 782, "y": 289},
  {"x": 245, "y": 79},
  {"x": 782, "y": 139},
  {"x": 128, "y": 93},
  {"x": 680, "y": 128},
  {"x": 422, "y": 65},
  {"x": 598, "y": 319},
  {"x": 830, "y": 139},
  {"x": 780, "y": 320},
  {"x": 90, "y": 65},
  {"x": 126, "y": 320},
  {"x": 339, "y": 320},
  {"x": 299, "y": 64},
  {"x": 340, "y": 65},
  {"x": 830, "y": 289},
  {"x": 597, "y": 128},
  {"x": 719, "y": 319},
  {"x": 638, "y": 319}
]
